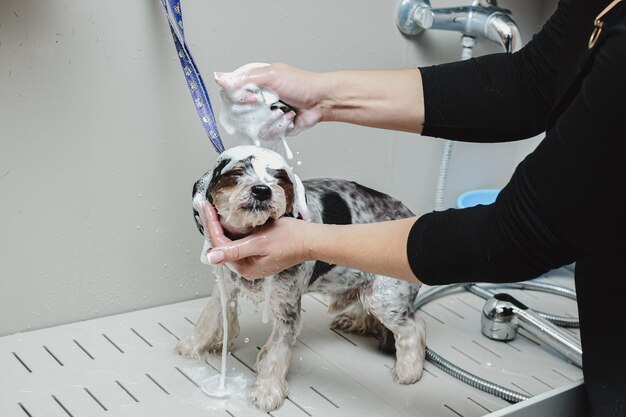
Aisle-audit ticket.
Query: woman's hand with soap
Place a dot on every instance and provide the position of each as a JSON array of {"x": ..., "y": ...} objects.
[{"x": 254, "y": 84}]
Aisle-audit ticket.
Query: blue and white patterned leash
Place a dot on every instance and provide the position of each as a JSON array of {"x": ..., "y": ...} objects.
[{"x": 196, "y": 86}]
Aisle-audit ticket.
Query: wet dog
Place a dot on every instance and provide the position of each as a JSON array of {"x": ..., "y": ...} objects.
[{"x": 250, "y": 186}]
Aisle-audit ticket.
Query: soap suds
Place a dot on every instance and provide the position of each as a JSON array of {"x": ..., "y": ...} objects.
[
  {"x": 237, "y": 385},
  {"x": 251, "y": 122}
]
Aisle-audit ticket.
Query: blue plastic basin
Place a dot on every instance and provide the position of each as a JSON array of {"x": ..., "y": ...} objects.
[{"x": 475, "y": 197}]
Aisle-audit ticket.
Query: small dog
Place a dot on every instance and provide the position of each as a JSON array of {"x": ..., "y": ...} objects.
[{"x": 250, "y": 186}]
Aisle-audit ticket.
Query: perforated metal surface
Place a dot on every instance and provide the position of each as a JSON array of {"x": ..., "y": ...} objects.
[{"x": 125, "y": 365}]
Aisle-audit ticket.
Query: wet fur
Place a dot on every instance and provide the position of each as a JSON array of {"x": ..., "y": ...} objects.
[{"x": 364, "y": 303}]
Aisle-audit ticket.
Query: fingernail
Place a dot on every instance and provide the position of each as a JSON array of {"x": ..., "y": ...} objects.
[
  {"x": 218, "y": 75},
  {"x": 216, "y": 257}
]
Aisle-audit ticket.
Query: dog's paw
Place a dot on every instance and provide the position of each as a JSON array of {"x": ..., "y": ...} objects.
[
  {"x": 188, "y": 347},
  {"x": 365, "y": 325},
  {"x": 342, "y": 322},
  {"x": 191, "y": 347},
  {"x": 269, "y": 395},
  {"x": 407, "y": 373}
]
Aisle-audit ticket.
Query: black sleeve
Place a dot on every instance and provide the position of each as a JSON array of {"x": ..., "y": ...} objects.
[
  {"x": 564, "y": 201},
  {"x": 495, "y": 98}
]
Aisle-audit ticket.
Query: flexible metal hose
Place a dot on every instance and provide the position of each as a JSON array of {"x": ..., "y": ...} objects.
[
  {"x": 483, "y": 291},
  {"x": 473, "y": 380}
]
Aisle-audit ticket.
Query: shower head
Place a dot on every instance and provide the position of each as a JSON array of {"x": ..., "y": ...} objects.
[{"x": 503, "y": 315}]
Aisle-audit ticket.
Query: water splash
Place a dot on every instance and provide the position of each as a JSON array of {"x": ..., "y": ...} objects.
[
  {"x": 220, "y": 283},
  {"x": 268, "y": 286}
]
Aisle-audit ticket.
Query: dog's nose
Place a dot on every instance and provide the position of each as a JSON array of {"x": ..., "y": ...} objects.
[{"x": 261, "y": 192}]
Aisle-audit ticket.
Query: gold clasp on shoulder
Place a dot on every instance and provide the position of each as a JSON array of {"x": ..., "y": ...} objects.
[{"x": 598, "y": 23}]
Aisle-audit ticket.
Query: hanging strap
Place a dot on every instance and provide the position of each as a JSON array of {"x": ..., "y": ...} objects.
[{"x": 196, "y": 86}]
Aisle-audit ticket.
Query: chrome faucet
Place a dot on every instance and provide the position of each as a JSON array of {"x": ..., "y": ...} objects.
[{"x": 482, "y": 19}]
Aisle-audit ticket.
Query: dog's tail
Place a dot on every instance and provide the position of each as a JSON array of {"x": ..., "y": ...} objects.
[{"x": 387, "y": 342}]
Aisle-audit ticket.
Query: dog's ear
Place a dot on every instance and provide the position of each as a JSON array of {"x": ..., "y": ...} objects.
[
  {"x": 200, "y": 194},
  {"x": 198, "y": 210},
  {"x": 213, "y": 177},
  {"x": 199, "y": 199},
  {"x": 300, "y": 210}
]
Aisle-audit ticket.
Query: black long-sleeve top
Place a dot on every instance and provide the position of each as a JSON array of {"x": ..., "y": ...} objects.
[{"x": 565, "y": 202}]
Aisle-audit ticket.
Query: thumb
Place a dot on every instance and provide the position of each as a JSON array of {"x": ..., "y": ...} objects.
[
  {"x": 234, "y": 251},
  {"x": 228, "y": 80},
  {"x": 213, "y": 226}
]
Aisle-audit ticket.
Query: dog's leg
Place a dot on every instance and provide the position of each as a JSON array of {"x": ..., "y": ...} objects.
[
  {"x": 390, "y": 300},
  {"x": 270, "y": 388},
  {"x": 208, "y": 332},
  {"x": 354, "y": 319}
]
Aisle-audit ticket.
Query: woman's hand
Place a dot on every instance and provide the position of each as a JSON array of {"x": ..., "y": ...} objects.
[
  {"x": 276, "y": 247},
  {"x": 389, "y": 99},
  {"x": 302, "y": 90},
  {"x": 379, "y": 248}
]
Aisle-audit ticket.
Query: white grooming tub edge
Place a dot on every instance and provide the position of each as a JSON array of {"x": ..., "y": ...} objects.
[{"x": 125, "y": 365}]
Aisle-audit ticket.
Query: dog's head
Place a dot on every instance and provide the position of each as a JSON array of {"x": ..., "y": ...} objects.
[{"x": 249, "y": 186}]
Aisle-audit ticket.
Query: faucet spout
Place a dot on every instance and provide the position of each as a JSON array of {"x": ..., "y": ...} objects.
[
  {"x": 480, "y": 20},
  {"x": 500, "y": 28}
]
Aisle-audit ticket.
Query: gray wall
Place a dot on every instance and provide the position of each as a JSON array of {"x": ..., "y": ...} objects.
[{"x": 100, "y": 143}]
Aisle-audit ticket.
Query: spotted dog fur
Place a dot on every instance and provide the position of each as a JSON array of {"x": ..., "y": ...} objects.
[{"x": 365, "y": 303}]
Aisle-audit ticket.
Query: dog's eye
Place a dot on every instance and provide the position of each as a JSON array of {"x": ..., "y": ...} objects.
[
  {"x": 231, "y": 174},
  {"x": 229, "y": 178},
  {"x": 280, "y": 174}
]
